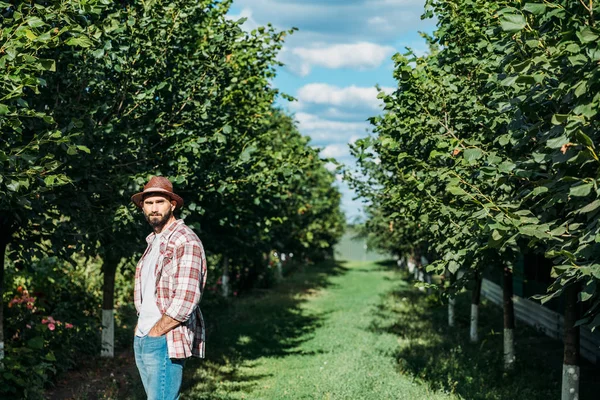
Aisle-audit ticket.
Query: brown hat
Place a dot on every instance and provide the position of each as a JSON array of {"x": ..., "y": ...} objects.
[{"x": 157, "y": 184}]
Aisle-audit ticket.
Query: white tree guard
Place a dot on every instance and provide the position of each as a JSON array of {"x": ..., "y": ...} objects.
[
  {"x": 509, "y": 348},
  {"x": 570, "y": 382},
  {"x": 411, "y": 266},
  {"x": 451, "y": 312},
  {"x": 225, "y": 285},
  {"x": 473, "y": 334},
  {"x": 108, "y": 333}
]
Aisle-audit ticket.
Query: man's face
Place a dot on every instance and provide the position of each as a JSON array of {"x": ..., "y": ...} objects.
[{"x": 158, "y": 209}]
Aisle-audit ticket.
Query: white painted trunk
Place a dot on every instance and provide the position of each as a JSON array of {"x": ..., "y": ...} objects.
[
  {"x": 1, "y": 350},
  {"x": 225, "y": 285},
  {"x": 509, "y": 348},
  {"x": 108, "y": 333},
  {"x": 570, "y": 382},
  {"x": 428, "y": 280},
  {"x": 421, "y": 278},
  {"x": 451, "y": 314},
  {"x": 225, "y": 278},
  {"x": 474, "y": 323},
  {"x": 279, "y": 271},
  {"x": 411, "y": 266}
]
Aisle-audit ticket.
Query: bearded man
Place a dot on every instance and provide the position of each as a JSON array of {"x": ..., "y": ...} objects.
[{"x": 169, "y": 281}]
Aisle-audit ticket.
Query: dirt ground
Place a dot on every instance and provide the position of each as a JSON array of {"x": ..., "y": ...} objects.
[{"x": 115, "y": 378}]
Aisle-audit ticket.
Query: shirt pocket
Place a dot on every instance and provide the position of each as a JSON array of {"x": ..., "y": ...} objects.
[{"x": 168, "y": 264}]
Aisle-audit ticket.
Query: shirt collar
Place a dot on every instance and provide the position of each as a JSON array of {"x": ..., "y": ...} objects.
[{"x": 166, "y": 232}]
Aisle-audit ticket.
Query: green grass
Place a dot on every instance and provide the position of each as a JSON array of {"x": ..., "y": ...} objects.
[
  {"x": 360, "y": 331},
  {"x": 353, "y": 248},
  {"x": 446, "y": 360},
  {"x": 310, "y": 338}
]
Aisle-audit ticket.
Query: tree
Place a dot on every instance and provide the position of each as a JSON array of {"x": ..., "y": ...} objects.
[{"x": 34, "y": 146}]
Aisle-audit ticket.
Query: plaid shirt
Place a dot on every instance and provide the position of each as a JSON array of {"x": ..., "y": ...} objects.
[{"x": 180, "y": 278}]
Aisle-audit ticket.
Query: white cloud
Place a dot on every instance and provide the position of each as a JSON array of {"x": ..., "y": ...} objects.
[
  {"x": 360, "y": 55},
  {"x": 336, "y": 150},
  {"x": 351, "y": 97},
  {"x": 324, "y": 130},
  {"x": 342, "y": 21},
  {"x": 250, "y": 22},
  {"x": 330, "y": 166}
]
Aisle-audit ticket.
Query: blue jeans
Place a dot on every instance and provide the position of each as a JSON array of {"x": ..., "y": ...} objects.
[{"x": 161, "y": 376}]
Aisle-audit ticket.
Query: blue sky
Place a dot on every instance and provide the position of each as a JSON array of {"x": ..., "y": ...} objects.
[{"x": 343, "y": 48}]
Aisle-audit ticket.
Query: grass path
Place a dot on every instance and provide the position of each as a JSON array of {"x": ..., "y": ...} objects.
[{"x": 313, "y": 337}]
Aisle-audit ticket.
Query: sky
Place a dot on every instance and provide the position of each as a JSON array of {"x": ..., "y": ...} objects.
[{"x": 341, "y": 51}]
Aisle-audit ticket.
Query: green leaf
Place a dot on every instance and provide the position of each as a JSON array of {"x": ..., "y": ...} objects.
[
  {"x": 512, "y": 22},
  {"x": 558, "y": 119},
  {"x": 539, "y": 190},
  {"x": 573, "y": 48},
  {"x": 588, "y": 291},
  {"x": 247, "y": 153},
  {"x": 35, "y": 22},
  {"x": 4, "y": 109},
  {"x": 456, "y": 190},
  {"x": 557, "y": 143},
  {"x": 81, "y": 41},
  {"x": 586, "y": 35},
  {"x": 590, "y": 207},
  {"x": 472, "y": 154},
  {"x": 36, "y": 343},
  {"x": 48, "y": 65},
  {"x": 581, "y": 190},
  {"x": 30, "y": 35},
  {"x": 535, "y": 8},
  {"x": 506, "y": 167},
  {"x": 227, "y": 129}
]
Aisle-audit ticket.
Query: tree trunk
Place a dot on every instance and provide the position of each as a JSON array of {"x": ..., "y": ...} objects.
[
  {"x": 8, "y": 226},
  {"x": 570, "y": 379},
  {"x": 475, "y": 300},
  {"x": 108, "y": 301},
  {"x": 3, "y": 244},
  {"x": 451, "y": 303},
  {"x": 451, "y": 312},
  {"x": 509, "y": 320},
  {"x": 225, "y": 278}
]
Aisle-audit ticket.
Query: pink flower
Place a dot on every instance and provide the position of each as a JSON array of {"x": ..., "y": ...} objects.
[
  {"x": 235, "y": 293},
  {"x": 44, "y": 321},
  {"x": 28, "y": 326},
  {"x": 68, "y": 325},
  {"x": 51, "y": 326}
]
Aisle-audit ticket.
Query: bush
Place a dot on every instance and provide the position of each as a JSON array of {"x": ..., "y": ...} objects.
[{"x": 51, "y": 320}]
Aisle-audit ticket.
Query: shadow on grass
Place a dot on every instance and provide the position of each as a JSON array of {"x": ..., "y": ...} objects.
[
  {"x": 261, "y": 324},
  {"x": 445, "y": 359}
]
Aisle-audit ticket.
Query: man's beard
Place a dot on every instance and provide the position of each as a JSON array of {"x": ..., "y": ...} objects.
[{"x": 157, "y": 221}]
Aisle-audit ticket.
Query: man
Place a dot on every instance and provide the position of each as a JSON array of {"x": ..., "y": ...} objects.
[{"x": 169, "y": 281}]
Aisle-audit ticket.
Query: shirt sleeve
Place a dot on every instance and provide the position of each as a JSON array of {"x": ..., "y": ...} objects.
[{"x": 188, "y": 281}]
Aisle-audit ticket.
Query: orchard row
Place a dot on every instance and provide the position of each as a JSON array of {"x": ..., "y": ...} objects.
[
  {"x": 99, "y": 95},
  {"x": 488, "y": 150}
]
